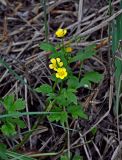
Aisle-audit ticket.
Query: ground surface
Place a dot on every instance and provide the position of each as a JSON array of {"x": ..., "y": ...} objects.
[{"x": 21, "y": 31}]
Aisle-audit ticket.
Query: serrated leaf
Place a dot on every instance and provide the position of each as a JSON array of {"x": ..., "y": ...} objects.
[
  {"x": 71, "y": 97},
  {"x": 54, "y": 117},
  {"x": 44, "y": 88},
  {"x": 77, "y": 111},
  {"x": 61, "y": 100},
  {"x": 8, "y": 129},
  {"x": 51, "y": 96},
  {"x": 19, "y": 104},
  {"x": 20, "y": 123},
  {"x": 8, "y": 101},
  {"x": 73, "y": 82},
  {"x": 62, "y": 117},
  {"x": 93, "y": 76},
  {"x": 84, "y": 83},
  {"x": 82, "y": 55},
  {"x": 47, "y": 47},
  {"x": 66, "y": 97},
  {"x": 89, "y": 77},
  {"x": 55, "y": 55}
]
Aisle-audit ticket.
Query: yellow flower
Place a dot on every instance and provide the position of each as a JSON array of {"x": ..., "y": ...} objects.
[
  {"x": 68, "y": 49},
  {"x": 61, "y": 32},
  {"x": 61, "y": 73},
  {"x": 55, "y": 63}
]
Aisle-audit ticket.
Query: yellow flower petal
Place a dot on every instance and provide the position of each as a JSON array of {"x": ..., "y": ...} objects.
[
  {"x": 58, "y": 60},
  {"x": 60, "y": 64},
  {"x": 53, "y": 60},
  {"x": 65, "y": 31},
  {"x": 55, "y": 69},
  {"x": 61, "y": 73},
  {"x": 57, "y": 75},
  {"x": 61, "y": 32},
  {"x": 51, "y": 66}
]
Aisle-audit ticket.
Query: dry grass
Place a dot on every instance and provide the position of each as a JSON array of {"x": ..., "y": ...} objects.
[{"x": 21, "y": 31}]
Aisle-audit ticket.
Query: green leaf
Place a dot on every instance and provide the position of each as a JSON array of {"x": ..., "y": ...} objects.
[
  {"x": 55, "y": 55},
  {"x": 71, "y": 97},
  {"x": 51, "y": 96},
  {"x": 73, "y": 82},
  {"x": 84, "y": 83},
  {"x": 89, "y": 77},
  {"x": 16, "y": 121},
  {"x": 19, "y": 104},
  {"x": 94, "y": 130},
  {"x": 20, "y": 123},
  {"x": 44, "y": 88},
  {"x": 47, "y": 47},
  {"x": 8, "y": 101},
  {"x": 56, "y": 116},
  {"x": 53, "y": 77},
  {"x": 61, "y": 100},
  {"x": 77, "y": 157},
  {"x": 93, "y": 76},
  {"x": 65, "y": 157},
  {"x": 8, "y": 129},
  {"x": 82, "y": 55},
  {"x": 66, "y": 97},
  {"x": 62, "y": 117},
  {"x": 77, "y": 111}
]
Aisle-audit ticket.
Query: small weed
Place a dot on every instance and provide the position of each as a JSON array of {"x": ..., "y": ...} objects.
[{"x": 64, "y": 98}]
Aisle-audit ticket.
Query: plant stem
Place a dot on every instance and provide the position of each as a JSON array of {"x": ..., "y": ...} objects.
[
  {"x": 45, "y": 19},
  {"x": 80, "y": 71},
  {"x": 54, "y": 86}
]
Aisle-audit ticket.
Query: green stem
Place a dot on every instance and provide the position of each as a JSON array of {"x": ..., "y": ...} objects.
[
  {"x": 49, "y": 107},
  {"x": 45, "y": 19},
  {"x": 54, "y": 86},
  {"x": 80, "y": 71},
  {"x": 63, "y": 46},
  {"x": 60, "y": 89}
]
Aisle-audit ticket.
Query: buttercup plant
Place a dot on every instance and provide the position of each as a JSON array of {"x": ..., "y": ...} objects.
[{"x": 63, "y": 98}]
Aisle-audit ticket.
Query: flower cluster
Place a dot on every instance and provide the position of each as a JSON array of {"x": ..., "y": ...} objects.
[
  {"x": 55, "y": 63},
  {"x": 57, "y": 66}
]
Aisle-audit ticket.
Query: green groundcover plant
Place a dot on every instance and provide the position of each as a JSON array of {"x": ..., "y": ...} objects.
[
  {"x": 11, "y": 106},
  {"x": 62, "y": 96}
]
